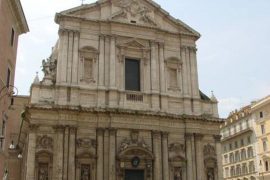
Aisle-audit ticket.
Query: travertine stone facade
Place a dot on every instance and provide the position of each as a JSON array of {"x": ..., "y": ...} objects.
[{"x": 93, "y": 127}]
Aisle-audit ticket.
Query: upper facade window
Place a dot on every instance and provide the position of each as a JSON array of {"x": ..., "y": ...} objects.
[
  {"x": 262, "y": 128},
  {"x": 173, "y": 73},
  {"x": 132, "y": 75},
  {"x": 88, "y": 56}
]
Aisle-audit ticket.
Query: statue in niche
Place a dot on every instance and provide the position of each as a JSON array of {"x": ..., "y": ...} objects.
[
  {"x": 85, "y": 172},
  {"x": 210, "y": 174},
  {"x": 178, "y": 173},
  {"x": 43, "y": 172}
]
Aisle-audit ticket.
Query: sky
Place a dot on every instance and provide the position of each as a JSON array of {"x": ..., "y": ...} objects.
[{"x": 233, "y": 52}]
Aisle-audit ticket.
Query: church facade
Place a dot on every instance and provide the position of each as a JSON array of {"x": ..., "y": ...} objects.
[{"x": 120, "y": 100}]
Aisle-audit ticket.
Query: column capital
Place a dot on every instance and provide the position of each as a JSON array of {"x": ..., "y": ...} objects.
[
  {"x": 112, "y": 131},
  {"x": 165, "y": 134},
  {"x": 188, "y": 135},
  {"x": 73, "y": 129},
  {"x": 198, "y": 136},
  {"x": 58, "y": 128},
  {"x": 100, "y": 130},
  {"x": 156, "y": 134},
  {"x": 217, "y": 138}
]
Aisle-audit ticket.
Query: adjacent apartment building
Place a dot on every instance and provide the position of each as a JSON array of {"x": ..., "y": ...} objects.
[
  {"x": 261, "y": 115},
  {"x": 12, "y": 24},
  {"x": 245, "y": 142},
  {"x": 238, "y": 142}
]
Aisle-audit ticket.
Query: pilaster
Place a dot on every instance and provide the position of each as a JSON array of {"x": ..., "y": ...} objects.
[
  {"x": 112, "y": 154},
  {"x": 31, "y": 153},
  {"x": 100, "y": 157},
  {"x": 217, "y": 139},
  {"x": 157, "y": 153},
  {"x": 165, "y": 156},
  {"x": 62, "y": 56},
  {"x": 190, "y": 170},
  {"x": 58, "y": 153},
  {"x": 66, "y": 148},
  {"x": 199, "y": 156},
  {"x": 154, "y": 83},
  {"x": 112, "y": 62},
  {"x": 72, "y": 153},
  {"x": 101, "y": 62},
  {"x": 75, "y": 64}
]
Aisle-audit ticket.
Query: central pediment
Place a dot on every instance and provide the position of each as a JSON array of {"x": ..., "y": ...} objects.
[{"x": 135, "y": 12}]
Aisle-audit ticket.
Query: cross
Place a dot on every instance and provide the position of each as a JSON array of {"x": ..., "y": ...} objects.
[{"x": 82, "y": 1}]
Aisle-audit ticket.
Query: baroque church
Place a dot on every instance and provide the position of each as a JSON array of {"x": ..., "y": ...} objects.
[{"x": 120, "y": 100}]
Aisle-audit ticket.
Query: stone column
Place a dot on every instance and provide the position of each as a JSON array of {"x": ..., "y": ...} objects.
[
  {"x": 194, "y": 72},
  {"x": 58, "y": 153},
  {"x": 193, "y": 152},
  {"x": 75, "y": 64},
  {"x": 219, "y": 157},
  {"x": 184, "y": 71},
  {"x": 162, "y": 68},
  {"x": 112, "y": 153},
  {"x": 72, "y": 153},
  {"x": 165, "y": 156},
  {"x": 153, "y": 67},
  {"x": 156, "y": 149},
  {"x": 70, "y": 56},
  {"x": 31, "y": 153},
  {"x": 199, "y": 156},
  {"x": 66, "y": 147},
  {"x": 100, "y": 161},
  {"x": 190, "y": 170},
  {"x": 101, "y": 61},
  {"x": 62, "y": 56},
  {"x": 112, "y": 63},
  {"x": 106, "y": 154}
]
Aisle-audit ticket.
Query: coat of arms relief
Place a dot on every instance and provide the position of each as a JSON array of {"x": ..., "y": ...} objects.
[{"x": 133, "y": 11}]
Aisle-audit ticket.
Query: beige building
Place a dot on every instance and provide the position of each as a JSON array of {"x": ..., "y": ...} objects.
[
  {"x": 12, "y": 24},
  {"x": 239, "y": 145},
  {"x": 120, "y": 99},
  {"x": 261, "y": 115}
]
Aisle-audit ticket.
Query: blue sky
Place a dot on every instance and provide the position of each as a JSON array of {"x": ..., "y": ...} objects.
[{"x": 233, "y": 52}]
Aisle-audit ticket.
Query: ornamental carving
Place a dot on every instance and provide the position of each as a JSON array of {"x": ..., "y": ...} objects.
[
  {"x": 209, "y": 150},
  {"x": 86, "y": 143},
  {"x": 178, "y": 173},
  {"x": 134, "y": 11},
  {"x": 133, "y": 141},
  {"x": 44, "y": 142},
  {"x": 49, "y": 69},
  {"x": 177, "y": 148}
]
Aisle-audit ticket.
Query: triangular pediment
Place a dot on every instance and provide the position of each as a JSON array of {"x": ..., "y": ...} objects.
[
  {"x": 136, "y": 12},
  {"x": 132, "y": 43}
]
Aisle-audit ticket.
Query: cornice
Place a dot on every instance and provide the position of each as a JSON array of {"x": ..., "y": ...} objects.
[
  {"x": 115, "y": 111},
  {"x": 60, "y": 16},
  {"x": 18, "y": 14}
]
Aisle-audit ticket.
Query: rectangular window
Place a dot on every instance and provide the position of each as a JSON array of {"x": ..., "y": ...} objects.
[
  {"x": 236, "y": 144},
  {"x": 8, "y": 77},
  {"x": 249, "y": 139},
  {"x": 263, "y": 128},
  {"x": 132, "y": 75},
  {"x": 88, "y": 69},
  {"x": 172, "y": 78},
  {"x": 230, "y": 147},
  {"x": 12, "y": 37},
  {"x": 242, "y": 142}
]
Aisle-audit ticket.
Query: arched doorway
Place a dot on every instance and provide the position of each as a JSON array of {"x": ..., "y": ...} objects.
[{"x": 135, "y": 163}]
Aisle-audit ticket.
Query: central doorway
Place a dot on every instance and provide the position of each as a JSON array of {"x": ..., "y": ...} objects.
[{"x": 134, "y": 174}]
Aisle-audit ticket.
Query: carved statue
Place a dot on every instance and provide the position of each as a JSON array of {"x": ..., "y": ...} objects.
[
  {"x": 49, "y": 68},
  {"x": 177, "y": 148},
  {"x": 133, "y": 141},
  {"x": 178, "y": 173}
]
